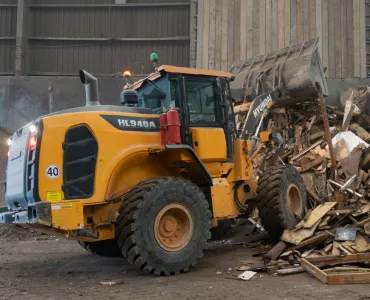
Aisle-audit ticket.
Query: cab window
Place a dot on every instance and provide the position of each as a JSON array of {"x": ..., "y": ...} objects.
[
  {"x": 156, "y": 95},
  {"x": 201, "y": 101}
]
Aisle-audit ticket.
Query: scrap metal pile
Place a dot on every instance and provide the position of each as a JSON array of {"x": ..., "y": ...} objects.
[{"x": 329, "y": 146}]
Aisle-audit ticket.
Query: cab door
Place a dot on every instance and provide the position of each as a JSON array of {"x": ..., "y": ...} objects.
[{"x": 205, "y": 118}]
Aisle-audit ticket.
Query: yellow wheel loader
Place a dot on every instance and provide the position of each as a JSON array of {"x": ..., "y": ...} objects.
[{"x": 149, "y": 179}]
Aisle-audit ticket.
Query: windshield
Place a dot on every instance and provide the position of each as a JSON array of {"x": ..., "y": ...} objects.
[{"x": 156, "y": 95}]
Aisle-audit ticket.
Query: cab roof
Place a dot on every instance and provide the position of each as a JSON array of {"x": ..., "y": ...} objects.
[{"x": 178, "y": 70}]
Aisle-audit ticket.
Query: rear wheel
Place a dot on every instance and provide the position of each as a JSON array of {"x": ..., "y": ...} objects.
[
  {"x": 107, "y": 248},
  {"x": 163, "y": 225},
  {"x": 281, "y": 200}
]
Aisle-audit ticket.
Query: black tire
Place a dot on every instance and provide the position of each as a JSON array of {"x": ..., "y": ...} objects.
[
  {"x": 272, "y": 200},
  {"x": 135, "y": 225},
  {"x": 106, "y": 248}
]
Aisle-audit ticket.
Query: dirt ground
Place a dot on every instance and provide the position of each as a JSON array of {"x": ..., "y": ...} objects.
[{"x": 34, "y": 266}]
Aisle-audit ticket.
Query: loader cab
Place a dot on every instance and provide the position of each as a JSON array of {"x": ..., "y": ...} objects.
[{"x": 204, "y": 103}]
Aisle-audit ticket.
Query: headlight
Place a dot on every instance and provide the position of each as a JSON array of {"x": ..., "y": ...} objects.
[
  {"x": 33, "y": 128},
  {"x": 9, "y": 141}
]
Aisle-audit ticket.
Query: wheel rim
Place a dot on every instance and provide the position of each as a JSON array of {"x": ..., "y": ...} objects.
[
  {"x": 294, "y": 199},
  {"x": 173, "y": 227}
]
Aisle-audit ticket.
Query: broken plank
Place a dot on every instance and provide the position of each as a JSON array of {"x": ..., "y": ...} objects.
[
  {"x": 312, "y": 164},
  {"x": 333, "y": 260},
  {"x": 317, "y": 239},
  {"x": 339, "y": 212},
  {"x": 296, "y": 237},
  {"x": 290, "y": 271},
  {"x": 360, "y": 132},
  {"x": 314, "y": 270},
  {"x": 308, "y": 149},
  {"x": 316, "y": 215},
  {"x": 275, "y": 252}
]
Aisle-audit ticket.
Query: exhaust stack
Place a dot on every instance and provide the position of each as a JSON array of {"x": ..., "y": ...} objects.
[{"x": 91, "y": 88}]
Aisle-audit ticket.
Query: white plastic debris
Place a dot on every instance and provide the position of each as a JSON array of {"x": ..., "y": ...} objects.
[
  {"x": 247, "y": 275},
  {"x": 351, "y": 140}
]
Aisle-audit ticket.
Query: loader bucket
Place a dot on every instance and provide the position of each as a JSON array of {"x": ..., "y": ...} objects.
[{"x": 296, "y": 71}]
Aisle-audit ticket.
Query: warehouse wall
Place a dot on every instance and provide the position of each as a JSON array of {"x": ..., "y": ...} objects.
[
  {"x": 102, "y": 36},
  {"x": 230, "y": 30}
]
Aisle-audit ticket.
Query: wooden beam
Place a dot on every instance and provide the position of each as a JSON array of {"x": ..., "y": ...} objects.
[
  {"x": 200, "y": 22},
  {"x": 300, "y": 21},
  {"x": 287, "y": 23},
  {"x": 230, "y": 32},
  {"x": 312, "y": 15},
  {"x": 331, "y": 38},
  {"x": 236, "y": 32},
  {"x": 350, "y": 41},
  {"x": 249, "y": 29},
  {"x": 274, "y": 26},
  {"x": 319, "y": 28},
  {"x": 256, "y": 30},
  {"x": 337, "y": 34},
  {"x": 212, "y": 34},
  {"x": 205, "y": 55},
  {"x": 293, "y": 21},
  {"x": 224, "y": 35},
  {"x": 306, "y": 20},
  {"x": 262, "y": 27},
  {"x": 243, "y": 29},
  {"x": 218, "y": 34},
  {"x": 356, "y": 42},
  {"x": 362, "y": 38},
  {"x": 281, "y": 22},
  {"x": 268, "y": 25},
  {"x": 343, "y": 38}
]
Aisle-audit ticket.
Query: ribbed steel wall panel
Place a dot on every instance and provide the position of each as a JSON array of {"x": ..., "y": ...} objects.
[
  {"x": 49, "y": 55},
  {"x": 7, "y": 56},
  {"x": 66, "y": 57},
  {"x": 8, "y": 23},
  {"x": 126, "y": 22},
  {"x": 8, "y": 1}
]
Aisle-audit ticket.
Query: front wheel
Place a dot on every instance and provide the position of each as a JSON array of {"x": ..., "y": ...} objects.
[
  {"x": 163, "y": 225},
  {"x": 281, "y": 200}
]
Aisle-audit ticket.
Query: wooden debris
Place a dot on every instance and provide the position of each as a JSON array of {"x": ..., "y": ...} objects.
[
  {"x": 316, "y": 215},
  {"x": 364, "y": 209},
  {"x": 305, "y": 151},
  {"x": 312, "y": 265},
  {"x": 317, "y": 239},
  {"x": 312, "y": 164},
  {"x": 290, "y": 271},
  {"x": 295, "y": 237},
  {"x": 275, "y": 252},
  {"x": 360, "y": 132},
  {"x": 341, "y": 150},
  {"x": 361, "y": 244}
]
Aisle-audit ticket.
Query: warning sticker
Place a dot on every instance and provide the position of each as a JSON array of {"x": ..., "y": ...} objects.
[{"x": 53, "y": 196}]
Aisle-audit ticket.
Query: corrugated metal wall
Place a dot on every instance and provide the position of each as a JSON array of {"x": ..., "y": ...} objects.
[
  {"x": 230, "y": 30},
  {"x": 102, "y": 36},
  {"x": 8, "y": 24}
]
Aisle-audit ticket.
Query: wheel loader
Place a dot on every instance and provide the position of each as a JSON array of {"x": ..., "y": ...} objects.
[{"x": 148, "y": 179}]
